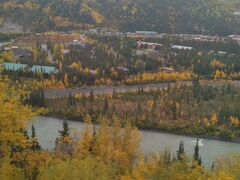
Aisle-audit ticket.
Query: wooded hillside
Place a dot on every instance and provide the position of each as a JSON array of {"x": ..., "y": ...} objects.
[{"x": 175, "y": 16}]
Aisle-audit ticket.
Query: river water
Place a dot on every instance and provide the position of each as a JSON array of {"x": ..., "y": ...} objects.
[{"x": 47, "y": 131}]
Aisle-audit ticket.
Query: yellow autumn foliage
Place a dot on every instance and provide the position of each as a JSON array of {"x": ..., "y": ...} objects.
[
  {"x": 234, "y": 121},
  {"x": 159, "y": 77},
  {"x": 13, "y": 118},
  {"x": 107, "y": 151}
]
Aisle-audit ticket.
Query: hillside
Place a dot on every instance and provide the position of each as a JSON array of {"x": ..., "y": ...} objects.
[{"x": 175, "y": 16}]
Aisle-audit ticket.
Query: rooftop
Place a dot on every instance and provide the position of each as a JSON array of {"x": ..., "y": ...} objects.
[
  {"x": 13, "y": 66},
  {"x": 147, "y": 32},
  {"x": 44, "y": 69},
  {"x": 139, "y": 43},
  {"x": 182, "y": 47}
]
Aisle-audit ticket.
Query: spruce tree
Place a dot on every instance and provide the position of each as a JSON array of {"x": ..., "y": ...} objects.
[
  {"x": 33, "y": 135},
  {"x": 180, "y": 152},
  {"x": 106, "y": 105},
  {"x": 70, "y": 100},
  {"x": 42, "y": 98},
  {"x": 174, "y": 110},
  {"x": 66, "y": 131},
  {"x": 35, "y": 143},
  {"x": 84, "y": 100},
  {"x": 196, "y": 153}
]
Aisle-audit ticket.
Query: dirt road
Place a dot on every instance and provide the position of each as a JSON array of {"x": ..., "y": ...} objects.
[{"x": 106, "y": 89}]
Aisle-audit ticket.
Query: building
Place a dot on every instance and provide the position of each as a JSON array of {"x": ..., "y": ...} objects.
[
  {"x": 222, "y": 53},
  {"x": 167, "y": 69},
  {"x": 14, "y": 66},
  {"x": 149, "y": 45},
  {"x": 142, "y": 34},
  {"x": 35, "y": 68},
  {"x": 44, "y": 69},
  {"x": 146, "y": 32},
  {"x": 182, "y": 47},
  {"x": 77, "y": 43}
]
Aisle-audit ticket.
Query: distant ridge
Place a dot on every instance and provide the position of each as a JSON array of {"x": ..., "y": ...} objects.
[{"x": 175, "y": 16}]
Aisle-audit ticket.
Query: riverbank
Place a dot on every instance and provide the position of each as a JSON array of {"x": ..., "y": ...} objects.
[
  {"x": 161, "y": 130},
  {"x": 47, "y": 130},
  {"x": 196, "y": 111}
]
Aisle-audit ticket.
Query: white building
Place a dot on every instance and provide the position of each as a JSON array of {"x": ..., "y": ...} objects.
[{"x": 182, "y": 47}]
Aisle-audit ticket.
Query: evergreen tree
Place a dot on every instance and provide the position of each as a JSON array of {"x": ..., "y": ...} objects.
[
  {"x": 196, "y": 88},
  {"x": 35, "y": 143},
  {"x": 106, "y": 105},
  {"x": 84, "y": 100},
  {"x": 174, "y": 110},
  {"x": 66, "y": 131},
  {"x": 71, "y": 100},
  {"x": 64, "y": 144},
  {"x": 37, "y": 98},
  {"x": 42, "y": 98},
  {"x": 33, "y": 135},
  {"x": 181, "y": 152},
  {"x": 196, "y": 153}
]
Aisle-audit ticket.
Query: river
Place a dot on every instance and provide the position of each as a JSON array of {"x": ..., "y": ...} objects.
[{"x": 47, "y": 132}]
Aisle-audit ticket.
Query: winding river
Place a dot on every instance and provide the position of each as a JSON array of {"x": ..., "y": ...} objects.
[{"x": 47, "y": 132}]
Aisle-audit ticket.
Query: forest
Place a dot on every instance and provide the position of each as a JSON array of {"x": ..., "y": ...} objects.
[
  {"x": 102, "y": 152},
  {"x": 184, "y": 16},
  {"x": 52, "y": 67},
  {"x": 188, "y": 109}
]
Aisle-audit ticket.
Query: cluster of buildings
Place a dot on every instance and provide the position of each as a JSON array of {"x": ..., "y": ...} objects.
[
  {"x": 142, "y": 34},
  {"x": 154, "y": 34},
  {"x": 197, "y": 37},
  {"x": 208, "y": 38},
  {"x": 152, "y": 46},
  {"x": 24, "y": 67}
]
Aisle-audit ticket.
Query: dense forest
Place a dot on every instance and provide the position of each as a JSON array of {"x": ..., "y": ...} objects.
[
  {"x": 191, "y": 109},
  {"x": 100, "y": 153},
  {"x": 176, "y": 16}
]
